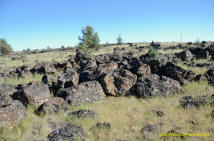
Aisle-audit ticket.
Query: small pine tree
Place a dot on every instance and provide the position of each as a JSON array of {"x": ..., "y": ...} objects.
[
  {"x": 5, "y": 48},
  {"x": 119, "y": 40},
  {"x": 89, "y": 41}
]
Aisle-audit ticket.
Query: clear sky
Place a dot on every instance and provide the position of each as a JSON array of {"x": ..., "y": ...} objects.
[{"x": 40, "y": 23}]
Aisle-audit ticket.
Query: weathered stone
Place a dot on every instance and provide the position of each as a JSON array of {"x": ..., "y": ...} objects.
[
  {"x": 49, "y": 79},
  {"x": 34, "y": 94},
  {"x": 5, "y": 100},
  {"x": 153, "y": 85},
  {"x": 69, "y": 79},
  {"x": 82, "y": 114},
  {"x": 6, "y": 89},
  {"x": 103, "y": 58},
  {"x": 110, "y": 66},
  {"x": 197, "y": 101},
  {"x": 143, "y": 69},
  {"x": 68, "y": 132},
  {"x": 104, "y": 125},
  {"x": 177, "y": 73},
  {"x": 149, "y": 132},
  {"x": 185, "y": 55},
  {"x": 52, "y": 106},
  {"x": 82, "y": 93},
  {"x": 11, "y": 114},
  {"x": 118, "y": 83},
  {"x": 200, "y": 53}
]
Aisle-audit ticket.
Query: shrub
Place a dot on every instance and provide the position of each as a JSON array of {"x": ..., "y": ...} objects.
[
  {"x": 5, "y": 48},
  {"x": 152, "y": 53},
  {"x": 119, "y": 40},
  {"x": 89, "y": 41}
]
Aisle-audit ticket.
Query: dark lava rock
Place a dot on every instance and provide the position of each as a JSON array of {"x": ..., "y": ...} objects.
[
  {"x": 82, "y": 93},
  {"x": 118, "y": 83},
  {"x": 197, "y": 101},
  {"x": 177, "y": 73},
  {"x": 185, "y": 55},
  {"x": 200, "y": 53},
  {"x": 49, "y": 79},
  {"x": 34, "y": 94},
  {"x": 104, "y": 125},
  {"x": 149, "y": 132},
  {"x": 52, "y": 106},
  {"x": 69, "y": 79},
  {"x": 83, "y": 114},
  {"x": 5, "y": 100},
  {"x": 153, "y": 85},
  {"x": 143, "y": 69},
  {"x": 67, "y": 132},
  {"x": 6, "y": 89},
  {"x": 12, "y": 112}
]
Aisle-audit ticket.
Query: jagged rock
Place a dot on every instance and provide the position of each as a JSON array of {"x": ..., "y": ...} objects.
[
  {"x": 103, "y": 58},
  {"x": 149, "y": 132},
  {"x": 104, "y": 125},
  {"x": 83, "y": 114},
  {"x": 210, "y": 49},
  {"x": 90, "y": 64},
  {"x": 200, "y": 53},
  {"x": 110, "y": 66},
  {"x": 12, "y": 112},
  {"x": 118, "y": 83},
  {"x": 69, "y": 79},
  {"x": 143, "y": 69},
  {"x": 67, "y": 132},
  {"x": 52, "y": 106},
  {"x": 185, "y": 55},
  {"x": 210, "y": 75},
  {"x": 88, "y": 75},
  {"x": 177, "y": 73},
  {"x": 197, "y": 101},
  {"x": 34, "y": 94},
  {"x": 153, "y": 85},
  {"x": 49, "y": 79},
  {"x": 6, "y": 89},
  {"x": 82, "y": 93},
  {"x": 5, "y": 100}
]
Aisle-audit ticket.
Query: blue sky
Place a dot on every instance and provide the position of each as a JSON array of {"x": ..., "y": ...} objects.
[{"x": 40, "y": 23}]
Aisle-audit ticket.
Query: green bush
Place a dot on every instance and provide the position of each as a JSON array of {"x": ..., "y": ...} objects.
[
  {"x": 5, "y": 48},
  {"x": 89, "y": 41},
  {"x": 152, "y": 53}
]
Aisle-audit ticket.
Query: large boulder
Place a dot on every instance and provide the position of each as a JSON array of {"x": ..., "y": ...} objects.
[
  {"x": 177, "y": 73},
  {"x": 7, "y": 89},
  {"x": 67, "y": 132},
  {"x": 210, "y": 49},
  {"x": 12, "y": 112},
  {"x": 153, "y": 85},
  {"x": 82, "y": 93},
  {"x": 210, "y": 75},
  {"x": 200, "y": 53},
  {"x": 103, "y": 58},
  {"x": 185, "y": 55},
  {"x": 143, "y": 69},
  {"x": 34, "y": 94},
  {"x": 110, "y": 66},
  {"x": 69, "y": 79},
  {"x": 52, "y": 106},
  {"x": 118, "y": 83}
]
